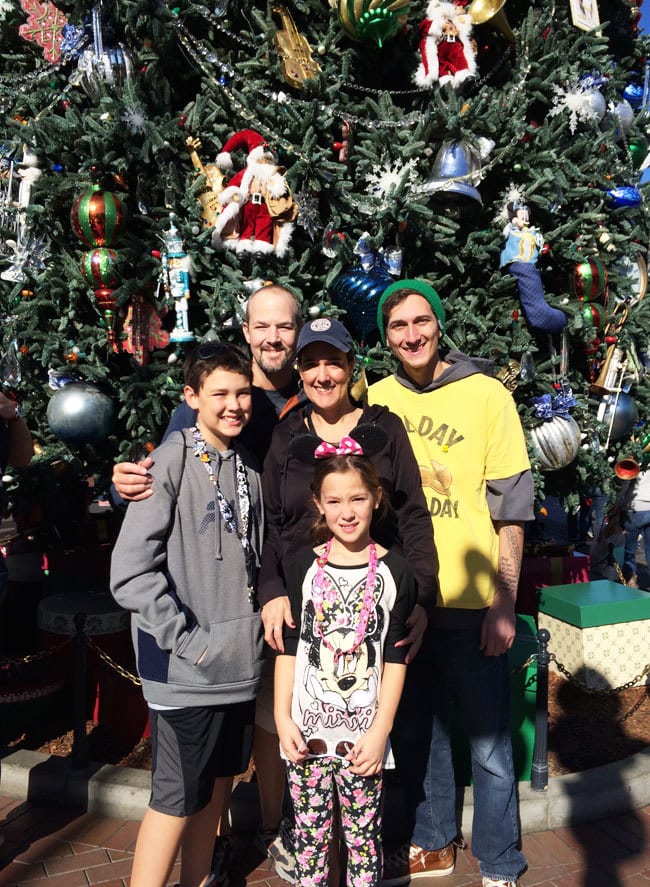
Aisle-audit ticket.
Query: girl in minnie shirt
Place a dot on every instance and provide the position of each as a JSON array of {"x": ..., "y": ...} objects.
[{"x": 339, "y": 681}]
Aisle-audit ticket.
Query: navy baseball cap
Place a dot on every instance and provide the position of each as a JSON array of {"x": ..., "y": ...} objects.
[{"x": 325, "y": 329}]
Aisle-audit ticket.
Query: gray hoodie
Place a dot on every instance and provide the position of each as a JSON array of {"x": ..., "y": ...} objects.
[{"x": 183, "y": 575}]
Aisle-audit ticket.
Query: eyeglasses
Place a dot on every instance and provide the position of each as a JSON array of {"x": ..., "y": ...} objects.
[{"x": 206, "y": 350}]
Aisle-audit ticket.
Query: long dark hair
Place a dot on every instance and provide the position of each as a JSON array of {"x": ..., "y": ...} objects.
[{"x": 320, "y": 532}]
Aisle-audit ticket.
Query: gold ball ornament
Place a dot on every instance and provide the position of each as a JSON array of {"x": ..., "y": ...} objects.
[{"x": 372, "y": 20}]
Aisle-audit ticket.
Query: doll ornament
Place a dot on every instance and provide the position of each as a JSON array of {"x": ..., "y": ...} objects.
[
  {"x": 258, "y": 211},
  {"x": 519, "y": 258},
  {"x": 447, "y": 53}
]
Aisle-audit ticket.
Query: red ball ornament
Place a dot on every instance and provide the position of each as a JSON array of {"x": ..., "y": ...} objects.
[{"x": 588, "y": 279}]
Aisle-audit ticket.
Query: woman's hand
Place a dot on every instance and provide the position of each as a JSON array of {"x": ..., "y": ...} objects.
[
  {"x": 275, "y": 614},
  {"x": 367, "y": 756},
  {"x": 417, "y": 623},
  {"x": 133, "y": 481},
  {"x": 291, "y": 741}
]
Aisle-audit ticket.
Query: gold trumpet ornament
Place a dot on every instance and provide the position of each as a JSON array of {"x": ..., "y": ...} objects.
[
  {"x": 483, "y": 11},
  {"x": 298, "y": 65}
]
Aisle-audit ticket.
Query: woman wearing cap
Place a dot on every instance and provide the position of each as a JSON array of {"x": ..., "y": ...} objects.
[{"x": 325, "y": 357}]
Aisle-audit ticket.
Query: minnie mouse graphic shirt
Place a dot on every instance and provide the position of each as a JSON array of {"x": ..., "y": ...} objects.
[{"x": 336, "y": 687}]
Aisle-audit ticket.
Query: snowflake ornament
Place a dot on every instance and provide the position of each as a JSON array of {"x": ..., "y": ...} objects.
[
  {"x": 6, "y": 6},
  {"x": 385, "y": 180},
  {"x": 308, "y": 212},
  {"x": 512, "y": 195},
  {"x": 585, "y": 105},
  {"x": 135, "y": 119}
]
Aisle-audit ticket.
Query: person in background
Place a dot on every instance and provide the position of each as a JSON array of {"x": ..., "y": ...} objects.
[
  {"x": 185, "y": 564},
  {"x": 636, "y": 522},
  {"x": 470, "y": 448},
  {"x": 271, "y": 327}
]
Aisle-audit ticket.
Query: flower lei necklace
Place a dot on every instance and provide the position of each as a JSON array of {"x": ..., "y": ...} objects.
[
  {"x": 239, "y": 528},
  {"x": 323, "y": 596}
]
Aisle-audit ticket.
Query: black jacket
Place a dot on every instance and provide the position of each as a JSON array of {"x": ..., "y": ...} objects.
[{"x": 286, "y": 480}]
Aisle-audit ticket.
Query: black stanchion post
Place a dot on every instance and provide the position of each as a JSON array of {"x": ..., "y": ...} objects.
[
  {"x": 539, "y": 768},
  {"x": 79, "y": 755}
]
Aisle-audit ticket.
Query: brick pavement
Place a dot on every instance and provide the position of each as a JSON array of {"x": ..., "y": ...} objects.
[{"x": 56, "y": 847}]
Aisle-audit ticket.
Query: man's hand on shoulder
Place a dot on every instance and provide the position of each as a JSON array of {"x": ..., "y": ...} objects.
[{"x": 133, "y": 481}]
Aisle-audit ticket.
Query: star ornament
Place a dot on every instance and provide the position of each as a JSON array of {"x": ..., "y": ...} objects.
[{"x": 44, "y": 26}]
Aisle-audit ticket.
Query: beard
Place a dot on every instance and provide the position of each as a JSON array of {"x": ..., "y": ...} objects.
[{"x": 272, "y": 362}]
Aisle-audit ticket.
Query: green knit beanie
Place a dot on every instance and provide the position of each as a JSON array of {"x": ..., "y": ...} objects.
[{"x": 418, "y": 286}]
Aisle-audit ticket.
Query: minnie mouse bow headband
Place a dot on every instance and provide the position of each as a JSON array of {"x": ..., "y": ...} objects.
[{"x": 347, "y": 447}]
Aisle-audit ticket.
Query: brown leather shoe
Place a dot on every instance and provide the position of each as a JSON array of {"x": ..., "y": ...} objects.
[{"x": 410, "y": 863}]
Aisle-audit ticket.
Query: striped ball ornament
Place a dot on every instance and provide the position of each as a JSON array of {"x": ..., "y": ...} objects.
[
  {"x": 99, "y": 267},
  {"x": 98, "y": 217},
  {"x": 588, "y": 279}
]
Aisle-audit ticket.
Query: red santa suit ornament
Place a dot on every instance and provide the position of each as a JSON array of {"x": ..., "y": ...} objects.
[
  {"x": 446, "y": 50},
  {"x": 258, "y": 209}
]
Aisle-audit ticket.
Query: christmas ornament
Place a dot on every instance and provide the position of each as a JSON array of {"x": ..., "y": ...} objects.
[
  {"x": 635, "y": 272},
  {"x": 143, "y": 329},
  {"x": 308, "y": 211},
  {"x": 622, "y": 115},
  {"x": 618, "y": 412},
  {"x": 211, "y": 188},
  {"x": 519, "y": 258},
  {"x": 371, "y": 20},
  {"x": 594, "y": 315},
  {"x": 638, "y": 148},
  {"x": 625, "y": 197},
  {"x": 584, "y": 15},
  {"x": 44, "y": 26},
  {"x": 98, "y": 67},
  {"x": 345, "y": 145},
  {"x": 258, "y": 211},
  {"x": 384, "y": 181},
  {"x": 358, "y": 291},
  {"x": 100, "y": 267},
  {"x": 298, "y": 65},
  {"x": 584, "y": 102},
  {"x": 633, "y": 93},
  {"x": 557, "y": 440},
  {"x": 446, "y": 51},
  {"x": 10, "y": 374},
  {"x": 98, "y": 217},
  {"x": 588, "y": 279},
  {"x": 456, "y": 173},
  {"x": 15, "y": 197},
  {"x": 483, "y": 11},
  {"x": 79, "y": 413},
  {"x": 176, "y": 266}
]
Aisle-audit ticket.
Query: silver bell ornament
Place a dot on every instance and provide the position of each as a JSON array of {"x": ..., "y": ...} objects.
[
  {"x": 456, "y": 173},
  {"x": 79, "y": 413},
  {"x": 99, "y": 67},
  {"x": 556, "y": 442}
]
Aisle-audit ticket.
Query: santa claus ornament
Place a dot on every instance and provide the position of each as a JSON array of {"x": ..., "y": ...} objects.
[
  {"x": 258, "y": 211},
  {"x": 447, "y": 52}
]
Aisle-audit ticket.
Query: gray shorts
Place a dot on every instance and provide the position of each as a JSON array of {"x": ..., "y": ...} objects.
[{"x": 191, "y": 747}]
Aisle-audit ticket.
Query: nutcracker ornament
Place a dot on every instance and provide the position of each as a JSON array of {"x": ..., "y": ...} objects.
[
  {"x": 258, "y": 211},
  {"x": 176, "y": 265},
  {"x": 447, "y": 53},
  {"x": 519, "y": 258}
]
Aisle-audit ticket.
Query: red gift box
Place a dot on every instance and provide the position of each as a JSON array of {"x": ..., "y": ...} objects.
[{"x": 546, "y": 571}]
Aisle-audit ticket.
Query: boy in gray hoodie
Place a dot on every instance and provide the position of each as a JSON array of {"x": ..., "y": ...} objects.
[{"x": 185, "y": 564}]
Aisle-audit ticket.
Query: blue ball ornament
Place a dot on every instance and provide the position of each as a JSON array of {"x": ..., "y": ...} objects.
[
  {"x": 358, "y": 292},
  {"x": 625, "y": 197},
  {"x": 633, "y": 93},
  {"x": 620, "y": 413}
]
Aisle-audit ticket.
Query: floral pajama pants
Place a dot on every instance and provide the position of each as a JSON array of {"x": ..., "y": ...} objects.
[{"x": 312, "y": 785}]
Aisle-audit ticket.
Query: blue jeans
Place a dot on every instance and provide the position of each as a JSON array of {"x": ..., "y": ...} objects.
[
  {"x": 450, "y": 666},
  {"x": 635, "y": 522}
]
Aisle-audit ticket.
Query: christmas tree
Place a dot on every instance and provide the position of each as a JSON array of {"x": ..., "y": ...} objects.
[{"x": 495, "y": 150}]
